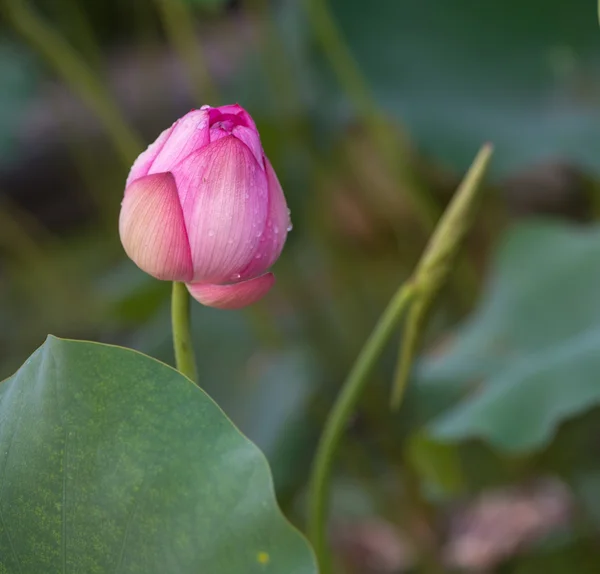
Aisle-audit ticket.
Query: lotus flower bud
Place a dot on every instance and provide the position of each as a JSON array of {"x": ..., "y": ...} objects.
[{"x": 203, "y": 206}]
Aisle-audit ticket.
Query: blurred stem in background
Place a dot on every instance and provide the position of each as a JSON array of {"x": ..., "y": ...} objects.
[
  {"x": 95, "y": 178},
  {"x": 384, "y": 134},
  {"x": 72, "y": 17},
  {"x": 185, "y": 360},
  {"x": 381, "y": 131},
  {"x": 416, "y": 294},
  {"x": 76, "y": 73},
  {"x": 178, "y": 21}
]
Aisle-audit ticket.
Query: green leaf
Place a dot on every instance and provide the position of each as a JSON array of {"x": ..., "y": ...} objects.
[
  {"x": 113, "y": 462},
  {"x": 523, "y": 75},
  {"x": 530, "y": 354}
]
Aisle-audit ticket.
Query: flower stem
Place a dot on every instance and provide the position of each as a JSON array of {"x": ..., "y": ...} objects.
[
  {"x": 338, "y": 418},
  {"x": 182, "y": 336}
]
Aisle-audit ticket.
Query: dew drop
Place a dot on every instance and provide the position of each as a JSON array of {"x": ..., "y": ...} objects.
[
  {"x": 258, "y": 256},
  {"x": 289, "y": 211},
  {"x": 276, "y": 230},
  {"x": 246, "y": 195},
  {"x": 290, "y": 227},
  {"x": 235, "y": 276},
  {"x": 230, "y": 242},
  {"x": 211, "y": 232},
  {"x": 258, "y": 233}
]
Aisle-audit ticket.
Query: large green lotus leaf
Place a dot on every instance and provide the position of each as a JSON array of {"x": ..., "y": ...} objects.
[
  {"x": 524, "y": 75},
  {"x": 113, "y": 462},
  {"x": 268, "y": 386},
  {"x": 529, "y": 357}
]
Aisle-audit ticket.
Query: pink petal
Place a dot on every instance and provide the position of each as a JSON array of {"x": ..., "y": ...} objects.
[
  {"x": 233, "y": 296},
  {"x": 223, "y": 192},
  {"x": 235, "y": 120},
  {"x": 244, "y": 117},
  {"x": 189, "y": 134},
  {"x": 275, "y": 231},
  {"x": 244, "y": 134},
  {"x": 144, "y": 161},
  {"x": 251, "y": 138},
  {"x": 152, "y": 228}
]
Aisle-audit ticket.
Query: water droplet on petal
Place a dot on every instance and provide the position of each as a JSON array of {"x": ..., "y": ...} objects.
[
  {"x": 230, "y": 242},
  {"x": 289, "y": 211},
  {"x": 246, "y": 195},
  {"x": 275, "y": 229},
  {"x": 258, "y": 233},
  {"x": 290, "y": 227},
  {"x": 258, "y": 256},
  {"x": 211, "y": 232},
  {"x": 235, "y": 276}
]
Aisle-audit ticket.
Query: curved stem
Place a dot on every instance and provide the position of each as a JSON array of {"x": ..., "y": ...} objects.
[
  {"x": 182, "y": 336},
  {"x": 338, "y": 418},
  {"x": 438, "y": 262}
]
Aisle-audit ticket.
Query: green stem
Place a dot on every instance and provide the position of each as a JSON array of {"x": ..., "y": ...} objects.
[
  {"x": 73, "y": 69},
  {"x": 437, "y": 263},
  {"x": 431, "y": 274},
  {"x": 182, "y": 336},
  {"x": 178, "y": 21},
  {"x": 338, "y": 419}
]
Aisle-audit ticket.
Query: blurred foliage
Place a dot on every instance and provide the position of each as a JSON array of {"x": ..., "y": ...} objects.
[
  {"x": 19, "y": 77},
  {"x": 525, "y": 75},
  {"x": 506, "y": 388},
  {"x": 530, "y": 351}
]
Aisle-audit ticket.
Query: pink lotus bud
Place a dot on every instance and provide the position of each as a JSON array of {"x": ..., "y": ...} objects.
[{"x": 203, "y": 206}]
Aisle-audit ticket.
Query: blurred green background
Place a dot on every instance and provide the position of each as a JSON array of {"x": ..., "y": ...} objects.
[{"x": 370, "y": 113}]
